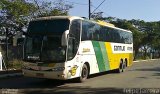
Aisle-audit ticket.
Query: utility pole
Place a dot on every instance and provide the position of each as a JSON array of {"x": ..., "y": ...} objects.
[
  {"x": 89, "y": 9},
  {"x": 7, "y": 47}
]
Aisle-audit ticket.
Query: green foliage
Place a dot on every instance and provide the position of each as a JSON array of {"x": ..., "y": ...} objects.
[
  {"x": 15, "y": 14},
  {"x": 56, "y": 8},
  {"x": 15, "y": 64},
  {"x": 17, "y": 8}
]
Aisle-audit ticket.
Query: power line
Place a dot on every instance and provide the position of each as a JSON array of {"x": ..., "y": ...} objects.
[
  {"x": 100, "y": 10},
  {"x": 76, "y": 3},
  {"x": 98, "y": 6}
]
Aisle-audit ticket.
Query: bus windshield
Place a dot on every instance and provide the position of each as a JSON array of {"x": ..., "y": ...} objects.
[{"x": 43, "y": 41}]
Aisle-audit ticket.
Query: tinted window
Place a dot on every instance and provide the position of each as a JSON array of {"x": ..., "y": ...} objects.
[
  {"x": 96, "y": 32},
  {"x": 55, "y": 26}
]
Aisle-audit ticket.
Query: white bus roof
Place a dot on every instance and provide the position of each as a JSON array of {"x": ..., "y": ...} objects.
[{"x": 58, "y": 17}]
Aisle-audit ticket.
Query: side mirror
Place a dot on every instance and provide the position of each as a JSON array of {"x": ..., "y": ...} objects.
[{"x": 64, "y": 38}]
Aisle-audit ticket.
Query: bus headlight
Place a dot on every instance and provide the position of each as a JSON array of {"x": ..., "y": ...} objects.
[{"x": 58, "y": 69}]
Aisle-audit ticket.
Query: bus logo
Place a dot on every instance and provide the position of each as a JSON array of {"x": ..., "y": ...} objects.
[{"x": 73, "y": 70}]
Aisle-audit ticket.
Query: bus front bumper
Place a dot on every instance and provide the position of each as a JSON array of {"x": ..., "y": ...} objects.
[{"x": 45, "y": 74}]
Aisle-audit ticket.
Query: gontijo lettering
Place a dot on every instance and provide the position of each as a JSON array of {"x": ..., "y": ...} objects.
[
  {"x": 86, "y": 50},
  {"x": 119, "y": 48}
]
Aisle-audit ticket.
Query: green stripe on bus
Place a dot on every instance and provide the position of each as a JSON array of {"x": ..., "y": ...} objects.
[
  {"x": 99, "y": 56},
  {"x": 105, "y": 55}
]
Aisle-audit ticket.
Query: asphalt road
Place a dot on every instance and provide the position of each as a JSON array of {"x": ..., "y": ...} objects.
[{"x": 143, "y": 77}]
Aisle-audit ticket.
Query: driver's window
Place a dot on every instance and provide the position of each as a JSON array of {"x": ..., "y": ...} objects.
[{"x": 74, "y": 39}]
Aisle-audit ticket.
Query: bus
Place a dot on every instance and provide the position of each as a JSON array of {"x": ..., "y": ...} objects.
[{"x": 67, "y": 47}]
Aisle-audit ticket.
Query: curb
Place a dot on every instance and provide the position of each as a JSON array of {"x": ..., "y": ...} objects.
[
  {"x": 145, "y": 60},
  {"x": 10, "y": 73}
]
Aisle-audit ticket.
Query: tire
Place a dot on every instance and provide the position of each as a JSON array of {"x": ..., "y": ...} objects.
[
  {"x": 126, "y": 62},
  {"x": 120, "y": 69},
  {"x": 84, "y": 73},
  {"x": 123, "y": 66}
]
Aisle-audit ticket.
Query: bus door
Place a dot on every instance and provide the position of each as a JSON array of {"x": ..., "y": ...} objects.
[{"x": 73, "y": 58}]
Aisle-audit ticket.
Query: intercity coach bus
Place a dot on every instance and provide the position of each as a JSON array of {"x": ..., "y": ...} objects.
[{"x": 66, "y": 47}]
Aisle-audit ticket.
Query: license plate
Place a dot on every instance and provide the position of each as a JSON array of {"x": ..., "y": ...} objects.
[{"x": 39, "y": 74}]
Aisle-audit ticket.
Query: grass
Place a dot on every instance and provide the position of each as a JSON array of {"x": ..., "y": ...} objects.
[{"x": 15, "y": 64}]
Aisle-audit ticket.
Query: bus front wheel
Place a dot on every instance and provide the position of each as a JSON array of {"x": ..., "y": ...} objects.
[{"x": 84, "y": 73}]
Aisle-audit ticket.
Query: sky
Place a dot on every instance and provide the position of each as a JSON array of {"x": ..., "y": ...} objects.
[{"x": 147, "y": 10}]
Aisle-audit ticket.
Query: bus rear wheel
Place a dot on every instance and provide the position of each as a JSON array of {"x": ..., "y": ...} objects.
[
  {"x": 122, "y": 67},
  {"x": 84, "y": 73}
]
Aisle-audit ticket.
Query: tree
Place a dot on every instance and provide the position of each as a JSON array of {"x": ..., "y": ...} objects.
[
  {"x": 16, "y": 14},
  {"x": 155, "y": 37},
  {"x": 56, "y": 8}
]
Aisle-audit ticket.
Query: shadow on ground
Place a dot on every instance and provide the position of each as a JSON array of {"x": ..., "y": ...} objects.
[
  {"x": 25, "y": 85},
  {"x": 27, "y": 82},
  {"x": 157, "y": 69},
  {"x": 75, "y": 90}
]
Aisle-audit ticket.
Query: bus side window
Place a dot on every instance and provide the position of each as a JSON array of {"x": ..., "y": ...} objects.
[
  {"x": 75, "y": 29},
  {"x": 85, "y": 31}
]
